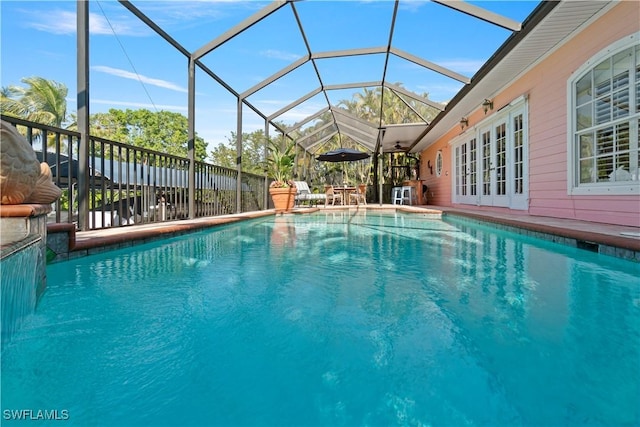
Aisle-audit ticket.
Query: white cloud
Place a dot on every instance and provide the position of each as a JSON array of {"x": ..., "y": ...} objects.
[
  {"x": 56, "y": 22},
  {"x": 183, "y": 15},
  {"x": 469, "y": 66},
  {"x": 197, "y": 10},
  {"x": 63, "y": 22},
  {"x": 463, "y": 66},
  {"x": 273, "y": 102},
  {"x": 278, "y": 54},
  {"x": 441, "y": 92},
  {"x": 412, "y": 5},
  {"x": 128, "y": 26},
  {"x": 113, "y": 103},
  {"x": 144, "y": 79}
]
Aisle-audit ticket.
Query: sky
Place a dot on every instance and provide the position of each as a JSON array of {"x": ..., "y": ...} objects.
[{"x": 132, "y": 67}]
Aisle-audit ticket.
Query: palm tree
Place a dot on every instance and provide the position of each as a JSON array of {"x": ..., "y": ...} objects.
[
  {"x": 41, "y": 101},
  {"x": 9, "y": 105},
  {"x": 365, "y": 104}
]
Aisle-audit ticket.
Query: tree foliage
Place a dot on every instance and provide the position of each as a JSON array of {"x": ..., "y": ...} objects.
[
  {"x": 366, "y": 105},
  {"x": 161, "y": 131},
  {"x": 42, "y": 101},
  {"x": 395, "y": 110},
  {"x": 253, "y": 158}
]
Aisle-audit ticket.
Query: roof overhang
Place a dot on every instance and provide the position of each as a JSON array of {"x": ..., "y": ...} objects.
[
  {"x": 548, "y": 27},
  {"x": 398, "y": 138}
]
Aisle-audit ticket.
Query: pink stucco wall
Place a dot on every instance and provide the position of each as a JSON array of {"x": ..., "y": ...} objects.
[{"x": 546, "y": 86}]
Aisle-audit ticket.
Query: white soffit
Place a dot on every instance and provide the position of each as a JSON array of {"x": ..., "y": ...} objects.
[
  {"x": 401, "y": 134},
  {"x": 554, "y": 30}
]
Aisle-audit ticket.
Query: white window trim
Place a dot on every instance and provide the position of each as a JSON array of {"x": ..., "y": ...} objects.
[{"x": 601, "y": 188}]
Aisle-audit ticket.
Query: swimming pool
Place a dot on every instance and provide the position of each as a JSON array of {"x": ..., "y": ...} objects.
[{"x": 331, "y": 319}]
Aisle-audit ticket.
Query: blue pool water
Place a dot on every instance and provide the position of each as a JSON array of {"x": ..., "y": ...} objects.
[{"x": 333, "y": 319}]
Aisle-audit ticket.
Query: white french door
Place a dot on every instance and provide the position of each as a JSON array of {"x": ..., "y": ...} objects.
[
  {"x": 491, "y": 162},
  {"x": 466, "y": 177}
]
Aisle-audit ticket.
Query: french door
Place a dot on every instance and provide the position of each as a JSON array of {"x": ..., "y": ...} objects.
[
  {"x": 491, "y": 163},
  {"x": 466, "y": 176}
]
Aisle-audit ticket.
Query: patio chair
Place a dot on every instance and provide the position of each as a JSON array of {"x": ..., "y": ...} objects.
[
  {"x": 404, "y": 195},
  {"x": 304, "y": 194},
  {"x": 332, "y": 196},
  {"x": 396, "y": 195},
  {"x": 360, "y": 196}
]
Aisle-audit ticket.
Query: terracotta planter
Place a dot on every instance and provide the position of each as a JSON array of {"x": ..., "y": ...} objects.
[{"x": 283, "y": 198}]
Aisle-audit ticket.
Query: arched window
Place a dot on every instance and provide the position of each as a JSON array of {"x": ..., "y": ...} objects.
[
  {"x": 439, "y": 163},
  {"x": 604, "y": 121}
]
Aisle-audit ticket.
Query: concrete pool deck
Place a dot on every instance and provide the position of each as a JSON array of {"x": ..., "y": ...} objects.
[{"x": 619, "y": 241}]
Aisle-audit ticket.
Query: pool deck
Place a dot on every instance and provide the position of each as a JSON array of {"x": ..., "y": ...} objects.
[{"x": 619, "y": 241}]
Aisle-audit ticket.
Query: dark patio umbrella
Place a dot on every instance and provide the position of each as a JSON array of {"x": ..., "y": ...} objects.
[
  {"x": 343, "y": 155},
  {"x": 69, "y": 169}
]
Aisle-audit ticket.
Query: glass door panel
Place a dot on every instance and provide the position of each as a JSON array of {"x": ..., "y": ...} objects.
[
  {"x": 466, "y": 172},
  {"x": 487, "y": 171},
  {"x": 499, "y": 163}
]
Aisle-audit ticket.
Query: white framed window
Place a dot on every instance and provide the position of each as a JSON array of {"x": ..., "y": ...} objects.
[
  {"x": 439, "y": 163},
  {"x": 604, "y": 125}
]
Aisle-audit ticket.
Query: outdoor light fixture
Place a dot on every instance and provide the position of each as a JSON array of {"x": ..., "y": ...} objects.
[
  {"x": 487, "y": 105},
  {"x": 464, "y": 122}
]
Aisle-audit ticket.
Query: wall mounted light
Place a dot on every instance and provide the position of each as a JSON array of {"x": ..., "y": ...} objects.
[
  {"x": 464, "y": 122},
  {"x": 487, "y": 105}
]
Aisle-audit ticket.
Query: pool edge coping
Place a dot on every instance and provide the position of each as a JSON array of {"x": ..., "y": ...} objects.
[
  {"x": 104, "y": 240},
  {"x": 617, "y": 246}
]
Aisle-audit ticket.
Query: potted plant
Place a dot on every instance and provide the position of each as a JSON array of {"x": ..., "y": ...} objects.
[{"x": 280, "y": 162}]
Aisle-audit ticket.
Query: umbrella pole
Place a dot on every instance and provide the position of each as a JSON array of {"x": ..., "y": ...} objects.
[{"x": 379, "y": 179}]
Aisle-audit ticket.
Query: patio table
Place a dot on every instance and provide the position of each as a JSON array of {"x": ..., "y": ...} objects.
[{"x": 345, "y": 190}]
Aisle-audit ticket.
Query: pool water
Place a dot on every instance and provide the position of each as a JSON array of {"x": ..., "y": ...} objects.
[{"x": 334, "y": 319}]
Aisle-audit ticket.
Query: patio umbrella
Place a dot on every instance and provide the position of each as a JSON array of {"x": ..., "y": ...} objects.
[
  {"x": 343, "y": 155},
  {"x": 69, "y": 169}
]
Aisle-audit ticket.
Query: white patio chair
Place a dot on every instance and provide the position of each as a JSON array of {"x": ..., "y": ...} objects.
[{"x": 304, "y": 194}]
